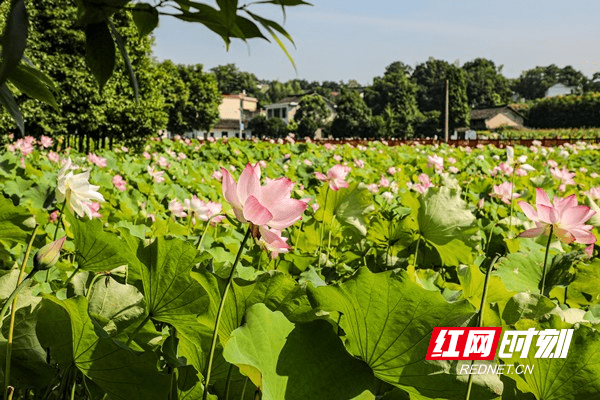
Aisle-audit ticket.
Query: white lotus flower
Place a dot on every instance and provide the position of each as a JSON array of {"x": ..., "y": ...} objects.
[{"x": 76, "y": 190}]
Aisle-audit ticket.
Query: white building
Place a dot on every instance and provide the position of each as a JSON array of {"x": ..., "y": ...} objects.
[
  {"x": 235, "y": 111},
  {"x": 559, "y": 90}
]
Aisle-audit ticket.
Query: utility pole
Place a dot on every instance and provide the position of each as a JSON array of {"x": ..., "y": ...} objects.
[
  {"x": 242, "y": 113},
  {"x": 446, "y": 115}
]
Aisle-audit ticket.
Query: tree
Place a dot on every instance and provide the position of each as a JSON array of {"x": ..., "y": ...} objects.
[
  {"x": 533, "y": 83},
  {"x": 431, "y": 78},
  {"x": 57, "y": 45},
  {"x": 393, "y": 96},
  {"x": 353, "y": 116},
  {"x": 311, "y": 115},
  {"x": 486, "y": 86},
  {"x": 232, "y": 81},
  {"x": 272, "y": 127},
  {"x": 196, "y": 107},
  {"x": 103, "y": 38}
]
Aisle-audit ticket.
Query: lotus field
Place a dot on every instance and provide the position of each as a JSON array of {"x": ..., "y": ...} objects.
[{"x": 260, "y": 270}]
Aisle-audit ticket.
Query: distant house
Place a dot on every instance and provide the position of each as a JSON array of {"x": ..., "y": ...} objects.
[
  {"x": 286, "y": 108},
  {"x": 235, "y": 111},
  {"x": 559, "y": 90},
  {"x": 496, "y": 117}
]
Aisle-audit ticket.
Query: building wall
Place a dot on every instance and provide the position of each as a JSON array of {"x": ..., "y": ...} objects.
[
  {"x": 502, "y": 120},
  {"x": 558, "y": 90},
  {"x": 230, "y": 106}
]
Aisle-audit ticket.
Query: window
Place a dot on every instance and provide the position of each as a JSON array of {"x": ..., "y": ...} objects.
[
  {"x": 269, "y": 113},
  {"x": 284, "y": 112},
  {"x": 223, "y": 134},
  {"x": 277, "y": 113}
]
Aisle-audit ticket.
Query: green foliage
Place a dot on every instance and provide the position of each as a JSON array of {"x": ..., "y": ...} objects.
[
  {"x": 311, "y": 115},
  {"x": 353, "y": 116},
  {"x": 431, "y": 78},
  {"x": 566, "y": 112},
  {"x": 393, "y": 99},
  {"x": 486, "y": 86},
  {"x": 533, "y": 83},
  {"x": 192, "y": 96},
  {"x": 271, "y": 128}
]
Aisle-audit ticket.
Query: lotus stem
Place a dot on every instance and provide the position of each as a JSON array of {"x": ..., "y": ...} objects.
[
  {"x": 213, "y": 344},
  {"x": 486, "y": 283},
  {"x": 546, "y": 259},
  {"x": 13, "y": 311}
]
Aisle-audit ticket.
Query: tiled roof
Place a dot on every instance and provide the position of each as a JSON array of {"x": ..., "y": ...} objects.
[{"x": 487, "y": 113}]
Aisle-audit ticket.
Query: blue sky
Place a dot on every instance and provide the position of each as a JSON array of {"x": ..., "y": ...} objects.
[{"x": 352, "y": 39}]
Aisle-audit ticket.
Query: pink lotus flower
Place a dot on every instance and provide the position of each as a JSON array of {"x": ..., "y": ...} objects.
[
  {"x": 156, "y": 175},
  {"x": 176, "y": 209},
  {"x": 272, "y": 241},
  {"x": 593, "y": 193},
  {"x": 217, "y": 175},
  {"x": 119, "y": 183},
  {"x": 552, "y": 164},
  {"x": 392, "y": 170},
  {"x": 424, "y": 183},
  {"x": 436, "y": 162},
  {"x": 53, "y": 216},
  {"x": 384, "y": 182},
  {"x": 504, "y": 192},
  {"x": 453, "y": 169},
  {"x": 336, "y": 176},
  {"x": 203, "y": 210},
  {"x": 373, "y": 188},
  {"x": 94, "y": 208},
  {"x": 147, "y": 155},
  {"x": 307, "y": 162},
  {"x": 564, "y": 176},
  {"x": 46, "y": 142},
  {"x": 337, "y": 158},
  {"x": 99, "y": 161},
  {"x": 359, "y": 163},
  {"x": 564, "y": 215},
  {"x": 52, "y": 156},
  {"x": 268, "y": 206}
]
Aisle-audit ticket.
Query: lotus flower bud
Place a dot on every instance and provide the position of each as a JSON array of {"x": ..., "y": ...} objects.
[{"x": 48, "y": 255}]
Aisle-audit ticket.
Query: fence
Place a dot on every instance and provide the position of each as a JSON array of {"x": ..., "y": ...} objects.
[{"x": 546, "y": 142}]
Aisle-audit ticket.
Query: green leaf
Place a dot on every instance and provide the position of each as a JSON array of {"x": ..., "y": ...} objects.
[
  {"x": 278, "y": 291},
  {"x": 115, "y": 306},
  {"x": 99, "y": 251},
  {"x": 388, "y": 320},
  {"x": 145, "y": 18},
  {"x": 526, "y": 305},
  {"x": 12, "y": 227},
  {"x": 74, "y": 339},
  {"x": 123, "y": 51},
  {"x": 8, "y": 102},
  {"x": 34, "y": 84},
  {"x": 172, "y": 296},
  {"x": 349, "y": 206},
  {"x": 99, "y": 52},
  {"x": 14, "y": 38},
  {"x": 572, "y": 378},
  {"x": 29, "y": 366},
  {"x": 443, "y": 216},
  {"x": 303, "y": 361}
]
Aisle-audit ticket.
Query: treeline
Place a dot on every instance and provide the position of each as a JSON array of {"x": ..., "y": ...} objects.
[
  {"x": 175, "y": 97},
  {"x": 407, "y": 101},
  {"x": 403, "y": 102}
]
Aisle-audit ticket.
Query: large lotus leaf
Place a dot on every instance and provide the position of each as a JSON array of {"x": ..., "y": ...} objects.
[
  {"x": 575, "y": 377},
  {"x": 29, "y": 366},
  {"x": 278, "y": 291},
  {"x": 349, "y": 206},
  {"x": 388, "y": 320},
  {"x": 522, "y": 271},
  {"x": 526, "y": 305},
  {"x": 114, "y": 305},
  {"x": 472, "y": 281},
  {"x": 75, "y": 339},
  {"x": 584, "y": 290},
  {"x": 443, "y": 216},
  {"x": 302, "y": 361},
  {"x": 97, "y": 250},
  {"x": 12, "y": 221},
  {"x": 172, "y": 296}
]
